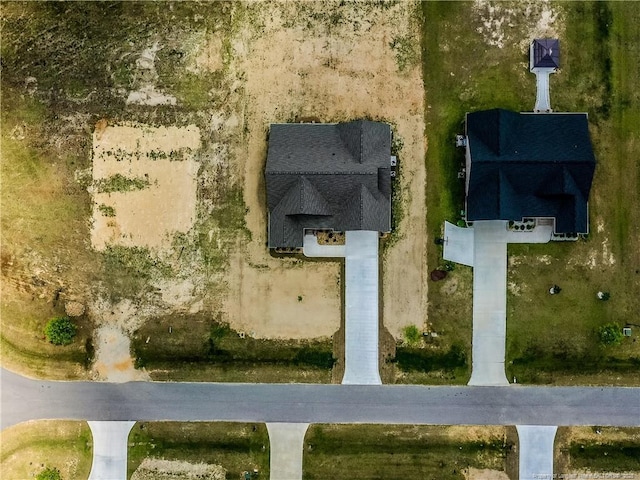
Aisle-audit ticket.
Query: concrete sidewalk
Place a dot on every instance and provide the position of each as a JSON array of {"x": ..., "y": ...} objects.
[
  {"x": 110, "y": 441},
  {"x": 287, "y": 444}
]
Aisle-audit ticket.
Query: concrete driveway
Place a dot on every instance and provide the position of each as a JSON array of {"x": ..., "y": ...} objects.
[
  {"x": 536, "y": 451},
  {"x": 110, "y": 441},
  {"x": 489, "y": 303},
  {"x": 287, "y": 444},
  {"x": 361, "y": 308}
]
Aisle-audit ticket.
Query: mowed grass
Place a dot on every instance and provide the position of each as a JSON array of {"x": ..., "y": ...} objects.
[
  {"x": 44, "y": 234},
  {"x": 29, "y": 448},
  {"x": 237, "y": 447},
  {"x": 549, "y": 339},
  {"x": 399, "y": 452}
]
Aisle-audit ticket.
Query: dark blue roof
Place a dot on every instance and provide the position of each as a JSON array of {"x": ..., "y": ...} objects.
[
  {"x": 546, "y": 53},
  {"x": 530, "y": 165}
]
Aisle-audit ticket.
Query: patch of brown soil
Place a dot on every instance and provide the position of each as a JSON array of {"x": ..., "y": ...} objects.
[{"x": 148, "y": 216}]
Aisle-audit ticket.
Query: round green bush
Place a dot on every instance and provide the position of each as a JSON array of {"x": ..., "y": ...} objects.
[
  {"x": 49, "y": 473},
  {"x": 610, "y": 334},
  {"x": 60, "y": 331}
]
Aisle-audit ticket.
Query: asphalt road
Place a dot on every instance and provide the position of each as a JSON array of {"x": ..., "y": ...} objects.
[{"x": 24, "y": 399}]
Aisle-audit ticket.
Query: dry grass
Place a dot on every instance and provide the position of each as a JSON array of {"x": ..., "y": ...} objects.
[{"x": 30, "y": 447}]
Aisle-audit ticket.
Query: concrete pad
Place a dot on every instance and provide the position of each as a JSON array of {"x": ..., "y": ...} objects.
[
  {"x": 110, "y": 441},
  {"x": 361, "y": 308},
  {"x": 543, "y": 101},
  {"x": 287, "y": 445},
  {"x": 458, "y": 244},
  {"x": 489, "y": 303},
  {"x": 311, "y": 248},
  {"x": 536, "y": 451}
]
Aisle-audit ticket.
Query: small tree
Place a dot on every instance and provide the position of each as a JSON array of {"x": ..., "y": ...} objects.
[
  {"x": 60, "y": 331},
  {"x": 49, "y": 473},
  {"x": 610, "y": 334}
]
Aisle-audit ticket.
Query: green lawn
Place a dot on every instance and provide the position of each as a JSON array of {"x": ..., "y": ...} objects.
[
  {"x": 237, "y": 447},
  {"x": 549, "y": 339}
]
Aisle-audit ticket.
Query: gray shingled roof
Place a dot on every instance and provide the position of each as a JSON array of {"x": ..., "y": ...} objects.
[
  {"x": 327, "y": 176},
  {"x": 530, "y": 165}
]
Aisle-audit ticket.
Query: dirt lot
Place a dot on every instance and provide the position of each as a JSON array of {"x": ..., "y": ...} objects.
[
  {"x": 159, "y": 165},
  {"x": 339, "y": 66}
]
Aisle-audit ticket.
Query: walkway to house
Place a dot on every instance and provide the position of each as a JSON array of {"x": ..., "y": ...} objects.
[
  {"x": 543, "y": 101},
  {"x": 536, "y": 451},
  {"x": 286, "y": 450},
  {"x": 484, "y": 246},
  {"x": 110, "y": 441}
]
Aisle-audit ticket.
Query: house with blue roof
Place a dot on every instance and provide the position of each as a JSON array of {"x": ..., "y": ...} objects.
[{"x": 525, "y": 165}]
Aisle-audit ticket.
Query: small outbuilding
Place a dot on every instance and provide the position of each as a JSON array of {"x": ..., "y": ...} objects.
[{"x": 544, "y": 53}]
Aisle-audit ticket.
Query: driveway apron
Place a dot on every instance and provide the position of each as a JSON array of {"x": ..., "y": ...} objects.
[
  {"x": 536, "y": 451},
  {"x": 287, "y": 442},
  {"x": 110, "y": 450}
]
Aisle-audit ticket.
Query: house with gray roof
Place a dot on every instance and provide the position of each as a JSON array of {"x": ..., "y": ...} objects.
[
  {"x": 327, "y": 176},
  {"x": 525, "y": 165}
]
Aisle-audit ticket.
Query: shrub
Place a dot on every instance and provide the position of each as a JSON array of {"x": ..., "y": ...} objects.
[
  {"x": 610, "y": 334},
  {"x": 421, "y": 360},
  {"x": 49, "y": 473},
  {"x": 411, "y": 334},
  {"x": 60, "y": 331}
]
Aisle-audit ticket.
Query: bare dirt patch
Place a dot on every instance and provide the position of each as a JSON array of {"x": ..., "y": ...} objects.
[
  {"x": 339, "y": 66},
  {"x": 113, "y": 356},
  {"x": 159, "y": 469},
  {"x": 156, "y": 195},
  {"x": 485, "y": 474}
]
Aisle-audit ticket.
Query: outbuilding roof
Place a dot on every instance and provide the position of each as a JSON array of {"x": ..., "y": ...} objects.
[
  {"x": 327, "y": 176},
  {"x": 545, "y": 53},
  {"x": 529, "y": 165}
]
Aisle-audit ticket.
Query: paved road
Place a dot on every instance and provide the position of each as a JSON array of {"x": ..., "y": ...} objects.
[{"x": 23, "y": 399}]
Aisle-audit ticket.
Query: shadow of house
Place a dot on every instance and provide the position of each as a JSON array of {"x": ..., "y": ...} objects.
[
  {"x": 522, "y": 165},
  {"x": 327, "y": 176}
]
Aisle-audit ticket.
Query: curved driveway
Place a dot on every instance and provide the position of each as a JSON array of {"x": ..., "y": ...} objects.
[{"x": 24, "y": 399}]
